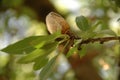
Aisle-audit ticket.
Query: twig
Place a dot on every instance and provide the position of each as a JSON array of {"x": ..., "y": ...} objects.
[{"x": 101, "y": 40}]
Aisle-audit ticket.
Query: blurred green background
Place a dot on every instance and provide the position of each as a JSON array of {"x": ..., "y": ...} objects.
[{"x": 23, "y": 18}]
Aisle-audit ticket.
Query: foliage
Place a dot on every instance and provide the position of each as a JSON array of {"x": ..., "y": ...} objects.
[{"x": 37, "y": 48}]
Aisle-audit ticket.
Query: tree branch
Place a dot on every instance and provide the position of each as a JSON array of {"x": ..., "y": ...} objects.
[{"x": 101, "y": 40}]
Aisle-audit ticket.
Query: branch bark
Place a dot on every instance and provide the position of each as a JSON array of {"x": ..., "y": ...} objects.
[{"x": 101, "y": 40}]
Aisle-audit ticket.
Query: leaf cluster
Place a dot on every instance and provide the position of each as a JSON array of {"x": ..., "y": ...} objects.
[{"x": 38, "y": 48}]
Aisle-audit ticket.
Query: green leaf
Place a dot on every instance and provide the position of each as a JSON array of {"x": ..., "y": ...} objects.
[
  {"x": 87, "y": 34},
  {"x": 41, "y": 41},
  {"x": 71, "y": 51},
  {"x": 105, "y": 32},
  {"x": 83, "y": 51},
  {"x": 40, "y": 62},
  {"x": 29, "y": 44},
  {"x": 31, "y": 56},
  {"x": 45, "y": 50},
  {"x": 49, "y": 46},
  {"x": 47, "y": 70},
  {"x": 23, "y": 46},
  {"x": 108, "y": 32},
  {"x": 95, "y": 26},
  {"x": 92, "y": 31},
  {"x": 82, "y": 23}
]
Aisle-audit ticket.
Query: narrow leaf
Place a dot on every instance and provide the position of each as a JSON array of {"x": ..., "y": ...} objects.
[
  {"x": 95, "y": 26},
  {"x": 47, "y": 70},
  {"x": 33, "y": 55},
  {"x": 107, "y": 32},
  {"x": 21, "y": 46},
  {"x": 71, "y": 51},
  {"x": 29, "y": 44},
  {"x": 38, "y": 52},
  {"x": 41, "y": 41},
  {"x": 83, "y": 51},
  {"x": 40, "y": 62},
  {"x": 82, "y": 23}
]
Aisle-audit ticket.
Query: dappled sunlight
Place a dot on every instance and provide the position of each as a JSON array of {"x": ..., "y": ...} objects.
[
  {"x": 13, "y": 27},
  {"x": 115, "y": 25},
  {"x": 114, "y": 22},
  {"x": 37, "y": 28},
  {"x": 104, "y": 64},
  {"x": 64, "y": 5}
]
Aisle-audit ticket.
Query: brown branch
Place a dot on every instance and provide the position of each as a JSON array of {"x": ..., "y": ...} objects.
[{"x": 101, "y": 40}]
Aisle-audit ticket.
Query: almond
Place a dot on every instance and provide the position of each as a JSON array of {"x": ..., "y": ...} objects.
[{"x": 56, "y": 22}]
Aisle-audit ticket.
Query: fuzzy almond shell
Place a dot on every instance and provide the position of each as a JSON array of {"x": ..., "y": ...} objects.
[{"x": 56, "y": 22}]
